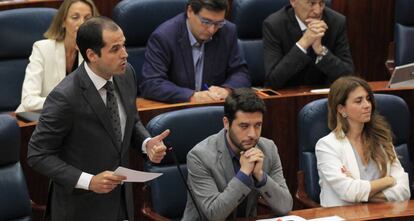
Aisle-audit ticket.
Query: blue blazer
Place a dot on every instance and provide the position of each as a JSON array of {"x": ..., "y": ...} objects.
[{"x": 168, "y": 69}]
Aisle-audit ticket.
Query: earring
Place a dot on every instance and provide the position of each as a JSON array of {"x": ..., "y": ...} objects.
[{"x": 344, "y": 115}]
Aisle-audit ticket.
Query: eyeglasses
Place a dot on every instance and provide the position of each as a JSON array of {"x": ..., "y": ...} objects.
[{"x": 209, "y": 23}]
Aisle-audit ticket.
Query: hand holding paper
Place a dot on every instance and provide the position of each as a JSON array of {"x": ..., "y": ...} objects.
[{"x": 135, "y": 175}]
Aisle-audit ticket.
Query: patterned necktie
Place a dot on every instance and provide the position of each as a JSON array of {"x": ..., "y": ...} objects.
[
  {"x": 112, "y": 107},
  {"x": 198, "y": 69}
]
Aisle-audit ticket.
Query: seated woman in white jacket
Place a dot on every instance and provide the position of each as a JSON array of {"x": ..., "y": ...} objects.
[
  {"x": 55, "y": 57},
  {"x": 356, "y": 161}
]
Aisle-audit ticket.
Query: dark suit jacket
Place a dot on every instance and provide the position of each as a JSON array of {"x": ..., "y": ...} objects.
[
  {"x": 168, "y": 69},
  {"x": 286, "y": 65},
  {"x": 74, "y": 134}
]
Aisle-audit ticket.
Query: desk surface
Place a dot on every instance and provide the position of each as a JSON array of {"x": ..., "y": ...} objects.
[
  {"x": 145, "y": 105},
  {"x": 366, "y": 211}
]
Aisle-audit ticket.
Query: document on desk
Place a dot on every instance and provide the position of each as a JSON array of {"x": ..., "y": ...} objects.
[
  {"x": 135, "y": 175},
  {"x": 285, "y": 218},
  {"x": 298, "y": 218},
  {"x": 328, "y": 218},
  {"x": 320, "y": 91}
]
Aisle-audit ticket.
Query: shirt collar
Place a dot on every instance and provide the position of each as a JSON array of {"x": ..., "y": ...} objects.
[
  {"x": 302, "y": 25},
  {"x": 97, "y": 80}
]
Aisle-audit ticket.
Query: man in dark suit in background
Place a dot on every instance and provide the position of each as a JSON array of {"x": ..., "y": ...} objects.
[
  {"x": 305, "y": 43},
  {"x": 87, "y": 125},
  {"x": 194, "y": 56}
]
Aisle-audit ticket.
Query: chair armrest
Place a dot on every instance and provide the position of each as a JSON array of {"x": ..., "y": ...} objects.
[
  {"x": 37, "y": 207},
  {"x": 147, "y": 206},
  {"x": 152, "y": 215},
  {"x": 390, "y": 62},
  {"x": 301, "y": 194}
]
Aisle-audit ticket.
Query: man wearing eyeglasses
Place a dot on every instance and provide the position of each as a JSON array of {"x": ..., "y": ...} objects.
[
  {"x": 305, "y": 43},
  {"x": 194, "y": 56}
]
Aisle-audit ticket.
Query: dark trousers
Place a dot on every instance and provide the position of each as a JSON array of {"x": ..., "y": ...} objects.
[{"x": 122, "y": 213}]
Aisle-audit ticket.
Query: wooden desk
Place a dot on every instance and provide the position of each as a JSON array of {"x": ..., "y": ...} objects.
[
  {"x": 366, "y": 211},
  {"x": 280, "y": 125}
]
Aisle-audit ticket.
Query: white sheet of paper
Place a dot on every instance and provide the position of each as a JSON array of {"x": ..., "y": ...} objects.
[
  {"x": 285, "y": 218},
  {"x": 298, "y": 218},
  {"x": 320, "y": 91},
  {"x": 328, "y": 218},
  {"x": 135, "y": 175}
]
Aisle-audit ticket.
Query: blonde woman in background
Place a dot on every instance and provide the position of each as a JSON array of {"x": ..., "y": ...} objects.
[
  {"x": 357, "y": 161},
  {"x": 55, "y": 57}
]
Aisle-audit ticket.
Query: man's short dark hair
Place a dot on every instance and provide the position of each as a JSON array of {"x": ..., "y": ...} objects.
[
  {"x": 211, "y": 5},
  {"x": 90, "y": 34},
  {"x": 245, "y": 100}
]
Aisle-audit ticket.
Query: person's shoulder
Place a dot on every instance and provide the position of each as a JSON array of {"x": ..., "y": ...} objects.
[
  {"x": 46, "y": 43},
  {"x": 227, "y": 33},
  {"x": 206, "y": 146},
  {"x": 170, "y": 26},
  {"x": 334, "y": 16},
  {"x": 75, "y": 80},
  {"x": 279, "y": 17},
  {"x": 130, "y": 73},
  {"x": 330, "y": 136},
  {"x": 330, "y": 140},
  {"x": 266, "y": 142},
  {"x": 229, "y": 26},
  {"x": 268, "y": 147}
]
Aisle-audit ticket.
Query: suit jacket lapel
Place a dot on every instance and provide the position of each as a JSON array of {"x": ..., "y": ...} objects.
[
  {"x": 187, "y": 54},
  {"x": 224, "y": 157},
  {"x": 60, "y": 60},
  {"x": 210, "y": 50},
  {"x": 94, "y": 99},
  {"x": 123, "y": 94},
  {"x": 293, "y": 26},
  {"x": 350, "y": 158}
]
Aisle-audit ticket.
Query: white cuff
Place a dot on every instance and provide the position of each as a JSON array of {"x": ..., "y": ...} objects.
[
  {"x": 318, "y": 59},
  {"x": 144, "y": 144},
  {"x": 84, "y": 181},
  {"x": 302, "y": 49}
]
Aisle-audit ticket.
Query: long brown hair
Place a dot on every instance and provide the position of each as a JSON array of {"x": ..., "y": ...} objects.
[
  {"x": 376, "y": 134},
  {"x": 56, "y": 30}
]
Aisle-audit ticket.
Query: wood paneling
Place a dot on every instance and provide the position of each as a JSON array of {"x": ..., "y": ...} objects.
[
  {"x": 370, "y": 25},
  {"x": 104, "y": 6},
  {"x": 11, "y": 4}
]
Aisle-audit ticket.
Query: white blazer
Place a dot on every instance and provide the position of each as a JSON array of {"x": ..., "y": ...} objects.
[
  {"x": 337, "y": 189},
  {"x": 46, "y": 68}
]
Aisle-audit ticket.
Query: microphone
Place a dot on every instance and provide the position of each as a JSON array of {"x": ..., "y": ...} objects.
[{"x": 171, "y": 150}]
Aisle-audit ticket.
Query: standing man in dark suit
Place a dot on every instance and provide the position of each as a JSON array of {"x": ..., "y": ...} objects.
[
  {"x": 305, "y": 43},
  {"x": 88, "y": 123},
  {"x": 194, "y": 56}
]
